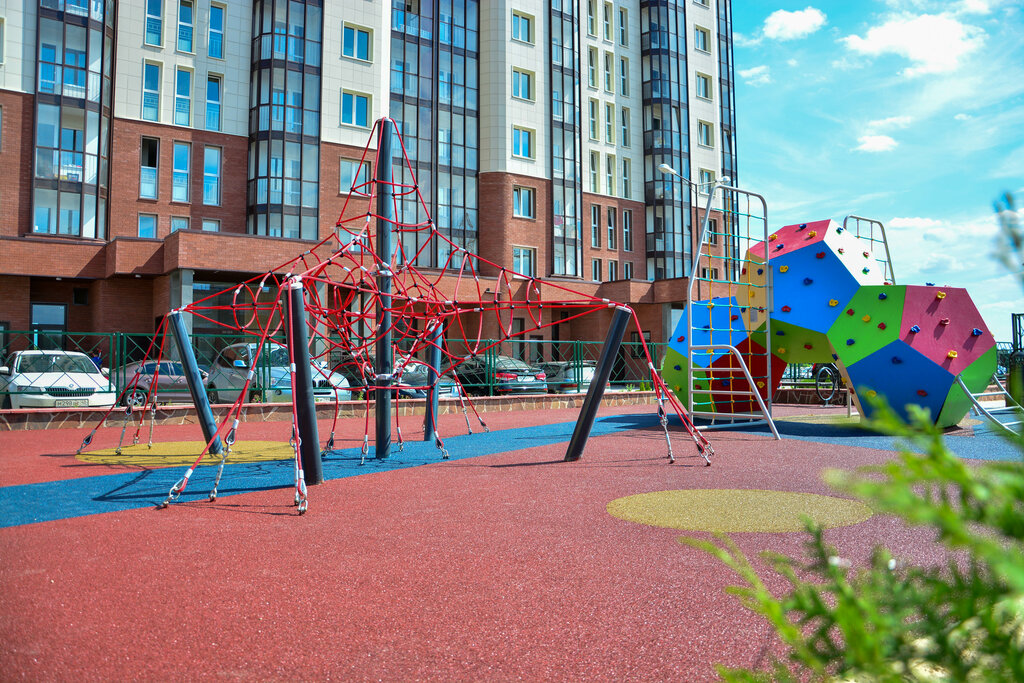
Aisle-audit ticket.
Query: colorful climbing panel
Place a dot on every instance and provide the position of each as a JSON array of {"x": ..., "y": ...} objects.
[{"x": 831, "y": 302}]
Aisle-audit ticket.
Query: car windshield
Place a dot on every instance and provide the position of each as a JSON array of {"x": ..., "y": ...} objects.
[
  {"x": 46, "y": 362},
  {"x": 274, "y": 356},
  {"x": 506, "y": 363}
]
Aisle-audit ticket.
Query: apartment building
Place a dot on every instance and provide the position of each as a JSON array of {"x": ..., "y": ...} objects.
[{"x": 155, "y": 151}]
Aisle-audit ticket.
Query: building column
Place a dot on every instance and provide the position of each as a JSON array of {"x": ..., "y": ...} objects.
[{"x": 181, "y": 293}]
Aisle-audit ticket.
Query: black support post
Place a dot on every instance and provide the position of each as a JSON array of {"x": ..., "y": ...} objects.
[
  {"x": 585, "y": 422},
  {"x": 384, "y": 361},
  {"x": 195, "y": 381},
  {"x": 433, "y": 371},
  {"x": 302, "y": 387}
]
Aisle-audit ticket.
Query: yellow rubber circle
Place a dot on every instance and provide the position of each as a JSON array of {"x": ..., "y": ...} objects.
[
  {"x": 185, "y": 453},
  {"x": 737, "y": 510}
]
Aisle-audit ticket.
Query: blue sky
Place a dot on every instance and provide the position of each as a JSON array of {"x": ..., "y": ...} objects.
[{"x": 908, "y": 111}]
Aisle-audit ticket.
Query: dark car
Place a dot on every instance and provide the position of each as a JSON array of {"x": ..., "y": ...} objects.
[
  {"x": 411, "y": 383},
  {"x": 505, "y": 374}
]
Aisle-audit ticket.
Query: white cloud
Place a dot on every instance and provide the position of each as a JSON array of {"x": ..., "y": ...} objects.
[
  {"x": 890, "y": 123},
  {"x": 934, "y": 43},
  {"x": 756, "y": 75},
  {"x": 875, "y": 143},
  {"x": 916, "y": 222},
  {"x": 975, "y": 7},
  {"x": 783, "y": 25},
  {"x": 792, "y": 62},
  {"x": 962, "y": 117}
]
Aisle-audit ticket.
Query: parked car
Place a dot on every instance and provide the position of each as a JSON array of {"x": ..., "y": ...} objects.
[
  {"x": 171, "y": 382},
  {"x": 507, "y": 375},
  {"x": 231, "y": 367},
  {"x": 411, "y": 384},
  {"x": 569, "y": 377},
  {"x": 54, "y": 379}
]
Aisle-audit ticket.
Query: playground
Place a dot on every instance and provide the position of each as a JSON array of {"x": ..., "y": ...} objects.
[{"x": 502, "y": 562}]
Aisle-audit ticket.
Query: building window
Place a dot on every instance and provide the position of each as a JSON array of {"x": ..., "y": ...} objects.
[
  {"x": 703, "y": 86},
  {"x": 186, "y": 23},
  {"x": 627, "y": 270},
  {"x": 626, "y": 190},
  {"x": 623, "y": 76},
  {"x": 215, "y": 44},
  {"x": 705, "y": 134},
  {"x": 624, "y": 127},
  {"x": 522, "y": 27},
  {"x": 595, "y": 172},
  {"x": 211, "y": 175},
  {"x": 608, "y": 21},
  {"x": 713, "y": 231},
  {"x": 595, "y": 226},
  {"x": 210, "y": 225},
  {"x": 523, "y": 202},
  {"x": 149, "y": 163},
  {"x": 522, "y": 84},
  {"x": 701, "y": 39},
  {"x": 180, "y": 176},
  {"x": 627, "y": 230},
  {"x": 213, "y": 99},
  {"x": 609, "y": 72},
  {"x": 609, "y": 123},
  {"x": 355, "y": 43},
  {"x": 183, "y": 98},
  {"x": 147, "y": 225},
  {"x": 609, "y": 175},
  {"x": 612, "y": 235},
  {"x": 595, "y": 269},
  {"x": 154, "y": 22},
  {"x": 355, "y": 109},
  {"x": 591, "y": 18},
  {"x": 523, "y": 259},
  {"x": 49, "y": 318},
  {"x": 703, "y": 3},
  {"x": 592, "y": 67},
  {"x": 623, "y": 27},
  {"x": 151, "y": 91},
  {"x": 613, "y": 270},
  {"x": 593, "y": 119},
  {"x": 179, "y": 223},
  {"x": 354, "y": 174},
  {"x": 522, "y": 142},
  {"x": 708, "y": 273},
  {"x": 707, "y": 180}
]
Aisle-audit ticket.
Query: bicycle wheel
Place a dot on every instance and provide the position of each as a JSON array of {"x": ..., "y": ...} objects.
[{"x": 826, "y": 382}]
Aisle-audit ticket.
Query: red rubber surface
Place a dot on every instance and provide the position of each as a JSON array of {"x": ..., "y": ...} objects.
[{"x": 497, "y": 568}]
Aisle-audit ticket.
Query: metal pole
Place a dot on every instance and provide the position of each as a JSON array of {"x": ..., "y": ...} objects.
[
  {"x": 302, "y": 387},
  {"x": 433, "y": 371},
  {"x": 195, "y": 381},
  {"x": 384, "y": 361},
  {"x": 585, "y": 422}
]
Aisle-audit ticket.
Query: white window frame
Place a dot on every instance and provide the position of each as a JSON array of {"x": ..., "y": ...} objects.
[
  {"x": 159, "y": 77},
  {"x": 627, "y": 191},
  {"x": 609, "y": 123},
  {"x": 613, "y": 270},
  {"x": 219, "y": 103},
  {"x": 703, "y": 78},
  {"x": 627, "y": 270},
  {"x": 706, "y": 34},
  {"x": 595, "y": 269},
  {"x": 213, "y": 178},
  {"x": 191, "y": 27},
  {"x": 156, "y": 169},
  {"x": 595, "y": 226},
  {"x": 713, "y": 231},
  {"x": 212, "y": 32},
  {"x": 706, "y": 180},
  {"x": 210, "y": 225},
  {"x": 594, "y": 119},
  {"x": 624, "y": 76},
  {"x": 609, "y": 72},
  {"x": 517, "y": 258},
  {"x": 623, "y": 27},
  {"x": 355, "y": 95},
  {"x": 591, "y": 18},
  {"x": 526, "y": 20},
  {"x": 607, "y": 21},
  {"x": 178, "y": 97},
  {"x": 530, "y": 137},
  {"x": 177, "y": 172},
  {"x": 356, "y": 30},
  {"x": 360, "y": 175},
  {"x": 624, "y": 132},
  {"x": 156, "y": 225},
  {"x": 595, "y": 172},
  {"x": 613, "y": 235},
  {"x": 609, "y": 174},
  {"x": 702, "y": 127},
  {"x": 518, "y": 78},
  {"x": 524, "y": 202},
  {"x": 592, "y": 68},
  {"x": 627, "y": 230},
  {"x": 177, "y": 219},
  {"x": 159, "y": 18}
]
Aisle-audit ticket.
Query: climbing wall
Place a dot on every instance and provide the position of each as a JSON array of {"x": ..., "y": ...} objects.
[{"x": 830, "y": 300}]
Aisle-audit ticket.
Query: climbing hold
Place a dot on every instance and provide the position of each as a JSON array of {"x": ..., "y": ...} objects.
[
  {"x": 929, "y": 284},
  {"x": 849, "y": 311},
  {"x": 772, "y": 238},
  {"x": 820, "y": 254},
  {"x": 676, "y": 388},
  {"x": 835, "y": 357},
  {"x": 781, "y": 350},
  {"x": 951, "y": 354},
  {"x": 975, "y": 332},
  {"x": 883, "y": 296},
  {"x": 808, "y": 280},
  {"x": 870, "y": 393},
  {"x": 743, "y": 271},
  {"x": 783, "y": 269},
  {"x": 751, "y": 294},
  {"x": 808, "y": 347},
  {"x": 711, "y": 305},
  {"x": 677, "y": 367},
  {"x": 735, "y": 317},
  {"x": 760, "y": 271},
  {"x": 725, "y": 382},
  {"x": 839, "y": 231},
  {"x": 944, "y": 321},
  {"x": 760, "y": 385},
  {"x": 881, "y": 326},
  {"x": 802, "y": 226},
  {"x": 779, "y": 246},
  {"x": 812, "y": 233},
  {"x": 833, "y": 302},
  {"x": 865, "y": 270},
  {"x": 850, "y": 342},
  {"x": 841, "y": 250},
  {"x": 922, "y": 392},
  {"x": 896, "y": 360},
  {"x": 940, "y": 295},
  {"x": 780, "y": 333},
  {"x": 866, "y": 318},
  {"x": 915, "y": 329},
  {"x": 786, "y": 309},
  {"x": 681, "y": 339}
]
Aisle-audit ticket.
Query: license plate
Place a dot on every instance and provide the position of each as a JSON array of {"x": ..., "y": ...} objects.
[
  {"x": 71, "y": 402},
  {"x": 526, "y": 378}
]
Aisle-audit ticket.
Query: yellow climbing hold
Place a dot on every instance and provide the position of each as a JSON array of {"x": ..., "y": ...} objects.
[
  {"x": 781, "y": 350},
  {"x": 951, "y": 354},
  {"x": 871, "y": 393},
  {"x": 833, "y": 302},
  {"x": 760, "y": 385},
  {"x": 866, "y": 318},
  {"x": 772, "y": 238},
  {"x": 783, "y": 269},
  {"x": 812, "y": 233},
  {"x": 940, "y": 295}
]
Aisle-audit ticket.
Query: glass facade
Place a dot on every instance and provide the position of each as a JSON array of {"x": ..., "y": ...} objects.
[
  {"x": 566, "y": 137},
  {"x": 727, "y": 104},
  {"x": 666, "y": 140},
  {"x": 72, "y": 117},
  {"x": 284, "y": 119},
  {"x": 435, "y": 102}
]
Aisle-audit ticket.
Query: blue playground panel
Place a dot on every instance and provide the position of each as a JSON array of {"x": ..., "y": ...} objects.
[
  {"x": 804, "y": 290},
  {"x": 903, "y": 376},
  {"x": 720, "y": 322}
]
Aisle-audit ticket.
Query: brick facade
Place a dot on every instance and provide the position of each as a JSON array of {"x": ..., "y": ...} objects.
[{"x": 15, "y": 157}]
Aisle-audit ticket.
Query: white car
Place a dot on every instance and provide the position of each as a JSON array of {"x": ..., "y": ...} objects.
[
  {"x": 54, "y": 379},
  {"x": 231, "y": 367}
]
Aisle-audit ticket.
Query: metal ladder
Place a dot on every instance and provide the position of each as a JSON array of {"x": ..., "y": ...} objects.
[{"x": 1011, "y": 408}]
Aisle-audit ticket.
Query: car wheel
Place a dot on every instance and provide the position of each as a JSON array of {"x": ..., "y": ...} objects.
[
  {"x": 211, "y": 394},
  {"x": 135, "y": 398}
]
